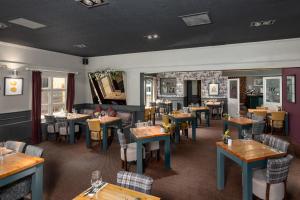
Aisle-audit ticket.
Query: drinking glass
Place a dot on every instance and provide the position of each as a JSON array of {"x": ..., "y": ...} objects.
[
  {"x": 244, "y": 134},
  {"x": 96, "y": 178}
]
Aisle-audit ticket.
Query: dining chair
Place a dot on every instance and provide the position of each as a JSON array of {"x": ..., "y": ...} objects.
[
  {"x": 52, "y": 128},
  {"x": 270, "y": 183},
  {"x": 259, "y": 115},
  {"x": 277, "y": 120},
  {"x": 63, "y": 127},
  {"x": 257, "y": 129},
  {"x": 134, "y": 181},
  {"x": 147, "y": 114},
  {"x": 21, "y": 188},
  {"x": 15, "y": 145},
  {"x": 95, "y": 129},
  {"x": 128, "y": 151},
  {"x": 169, "y": 127}
]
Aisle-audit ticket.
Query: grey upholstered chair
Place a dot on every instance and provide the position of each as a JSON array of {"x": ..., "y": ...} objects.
[
  {"x": 21, "y": 188},
  {"x": 258, "y": 128},
  {"x": 270, "y": 183},
  {"x": 128, "y": 151},
  {"x": 15, "y": 145},
  {"x": 52, "y": 128},
  {"x": 63, "y": 127},
  {"x": 137, "y": 182},
  {"x": 273, "y": 142}
]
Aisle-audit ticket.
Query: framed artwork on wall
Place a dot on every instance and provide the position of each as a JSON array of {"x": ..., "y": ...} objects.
[
  {"x": 213, "y": 89},
  {"x": 291, "y": 88},
  {"x": 13, "y": 86},
  {"x": 168, "y": 86}
]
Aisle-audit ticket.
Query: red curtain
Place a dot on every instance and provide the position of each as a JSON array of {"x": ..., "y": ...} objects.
[
  {"x": 70, "y": 91},
  {"x": 36, "y": 106}
]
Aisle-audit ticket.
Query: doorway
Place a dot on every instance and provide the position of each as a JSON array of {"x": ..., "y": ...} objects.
[{"x": 193, "y": 92}]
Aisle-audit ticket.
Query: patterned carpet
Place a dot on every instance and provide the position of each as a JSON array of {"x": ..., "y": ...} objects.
[{"x": 193, "y": 176}]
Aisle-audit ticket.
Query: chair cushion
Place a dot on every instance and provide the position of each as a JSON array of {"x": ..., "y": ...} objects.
[
  {"x": 152, "y": 146},
  {"x": 111, "y": 112},
  {"x": 126, "y": 117},
  {"x": 259, "y": 183},
  {"x": 131, "y": 152},
  {"x": 51, "y": 128}
]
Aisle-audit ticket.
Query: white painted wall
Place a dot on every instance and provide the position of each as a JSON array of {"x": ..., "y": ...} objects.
[
  {"x": 267, "y": 54},
  {"x": 23, "y": 57}
]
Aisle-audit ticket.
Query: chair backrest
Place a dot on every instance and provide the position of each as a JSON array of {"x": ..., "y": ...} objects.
[
  {"x": 165, "y": 120},
  {"x": 49, "y": 119},
  {"x": 258, "y": 127},
  {"x": 137, "y": 182},
  {"x": 278, "y": 169},
  {"x": 15, "y": 145},
  {"x": 61, "y": 121},
  {"x": 278, "y": 116},
  {"x": 122, "y": 139},
  {"x": 262, "y": 113},
  {"x": 147, "y": 114},
  {"x": 34, "y": 151},
  {"x": 94, "y": 125},
  {"x": 276, "y": 143}
]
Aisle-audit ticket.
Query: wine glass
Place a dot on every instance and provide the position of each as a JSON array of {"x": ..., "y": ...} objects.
[
  {"x": 244, "y": 134},
  {"x": 96, "y": 178}
]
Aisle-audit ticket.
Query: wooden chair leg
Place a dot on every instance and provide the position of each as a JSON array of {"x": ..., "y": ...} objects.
[
  {"x": 268, "y": 191},
  {"x": 158, "y": 155},
  {"x": 122, "y": 164}
]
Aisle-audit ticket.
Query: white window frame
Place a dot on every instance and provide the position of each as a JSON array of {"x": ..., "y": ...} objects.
[
  {"x": 51, "y": 90},
  {"x": 271, "y": 104}
]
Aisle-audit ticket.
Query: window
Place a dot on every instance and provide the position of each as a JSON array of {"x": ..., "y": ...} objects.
[{"x": 54, "y": 92}]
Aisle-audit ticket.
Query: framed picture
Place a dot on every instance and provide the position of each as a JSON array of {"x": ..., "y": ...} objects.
[
  {"x": 258, "y": 82},
  {"x": 13, "y": 86},
  {"x": 291, "y": 88},
  {"x": 168, "y": 86},
  {"x": 213, "y": 89}
]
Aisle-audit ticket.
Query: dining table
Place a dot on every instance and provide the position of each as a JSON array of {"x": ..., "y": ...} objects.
[
  {"x": 201, "y": 109},
  {"x": 212, "y": 105},
  {"x": 148, "y": 134},
  {"x": 105, "y": 123},
  {"x": 183, "y": 117},
  {"x": 15, "y": 166},
  {"x": 115, "y": 192},
  {"x": 72, "y": 119},
  {"x": 240, "y": 123},
  {"x": 248, "y": 154}
]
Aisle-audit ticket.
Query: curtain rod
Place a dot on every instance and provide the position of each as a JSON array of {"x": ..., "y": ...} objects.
[{"x": 48, "y": 70}]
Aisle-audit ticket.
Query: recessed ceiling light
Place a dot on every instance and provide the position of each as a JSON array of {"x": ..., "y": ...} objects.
[
  {"x": 27, "y": 23},
  {"x": 3, "y": 26},
  {"x": 262, "y": 23},
  {"x": 79, "y": 46},
  {"x": 196, "y": 19},
  {"x": 152, "y": 36},
  {"x": 92, "y": 3}
]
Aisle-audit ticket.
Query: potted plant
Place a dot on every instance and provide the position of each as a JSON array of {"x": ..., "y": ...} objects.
[
  {"x": 226, "y": 136},
  {"x": 226, "y": 116}
]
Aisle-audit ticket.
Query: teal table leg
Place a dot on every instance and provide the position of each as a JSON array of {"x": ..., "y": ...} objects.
[
  {"x": 220, "y": 170},
  {"x": 72, "y": 131},
  {"x": 207, "y": 118},
  {"x": 167, "y": 153},
  {"x": 104, "y": 139},
  {"x": 240, "y": 129},
  {"x": 225, "y": 126},
  {"x": 87, "y": 136},
  {"x": 139, "y": 156},
  {"x": 194, "y": 129},
  {"x": 177, "y": 133},
  {"x": 247, "y": 181},
  {"x": 37, "y": 183}
]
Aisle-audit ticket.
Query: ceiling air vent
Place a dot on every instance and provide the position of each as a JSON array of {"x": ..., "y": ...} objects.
[
  {"x": 92, "y": 3},
  {"x": 196, "y": 19},
  {"x": 27, "y": 23}
]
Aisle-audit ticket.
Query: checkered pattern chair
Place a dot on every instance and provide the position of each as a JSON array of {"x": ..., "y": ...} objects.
[
  {"x": 273, "y": 142},
  {"x": 14, "y": 145},
  {"x": 137, "y": 182},
  {"x": 258, "y": 128},
  {"x": 128, "y": 151},
  {"x": 52, "y": 128},
  {"x": 270, "y": 183},
  {"x": 21, "y": 188}
]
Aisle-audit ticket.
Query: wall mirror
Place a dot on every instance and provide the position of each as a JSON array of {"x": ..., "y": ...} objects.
[{"x": 291, "y": 88}]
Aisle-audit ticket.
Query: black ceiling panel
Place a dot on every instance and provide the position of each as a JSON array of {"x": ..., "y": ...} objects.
[{"x": 120, "y": 26}]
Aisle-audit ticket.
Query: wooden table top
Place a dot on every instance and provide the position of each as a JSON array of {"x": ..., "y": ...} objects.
[
  {"x": 147, "y": 132},
  {"x": 17, "y": 162},
  {"x": 181, "y": 115},
  {"x": 240, "y": 120},
  {"x": 250, "y": 150},
  {"x": 107, "y": 119},
  {"x": 211, "y": 103},
  {"x": 196, "y": 108},
  {"x": 114, "y": 192},
  {"x": 259, "y": 110}
]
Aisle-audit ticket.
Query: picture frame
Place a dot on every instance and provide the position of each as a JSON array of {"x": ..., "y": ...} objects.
[
  {"x": 291, "y": 88},
  {"x": 168, "y": 86},
  {"x": 13, "y": 86},
  {"x": 213, "y": 89},
  {"x": 258, "y": 82}
]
